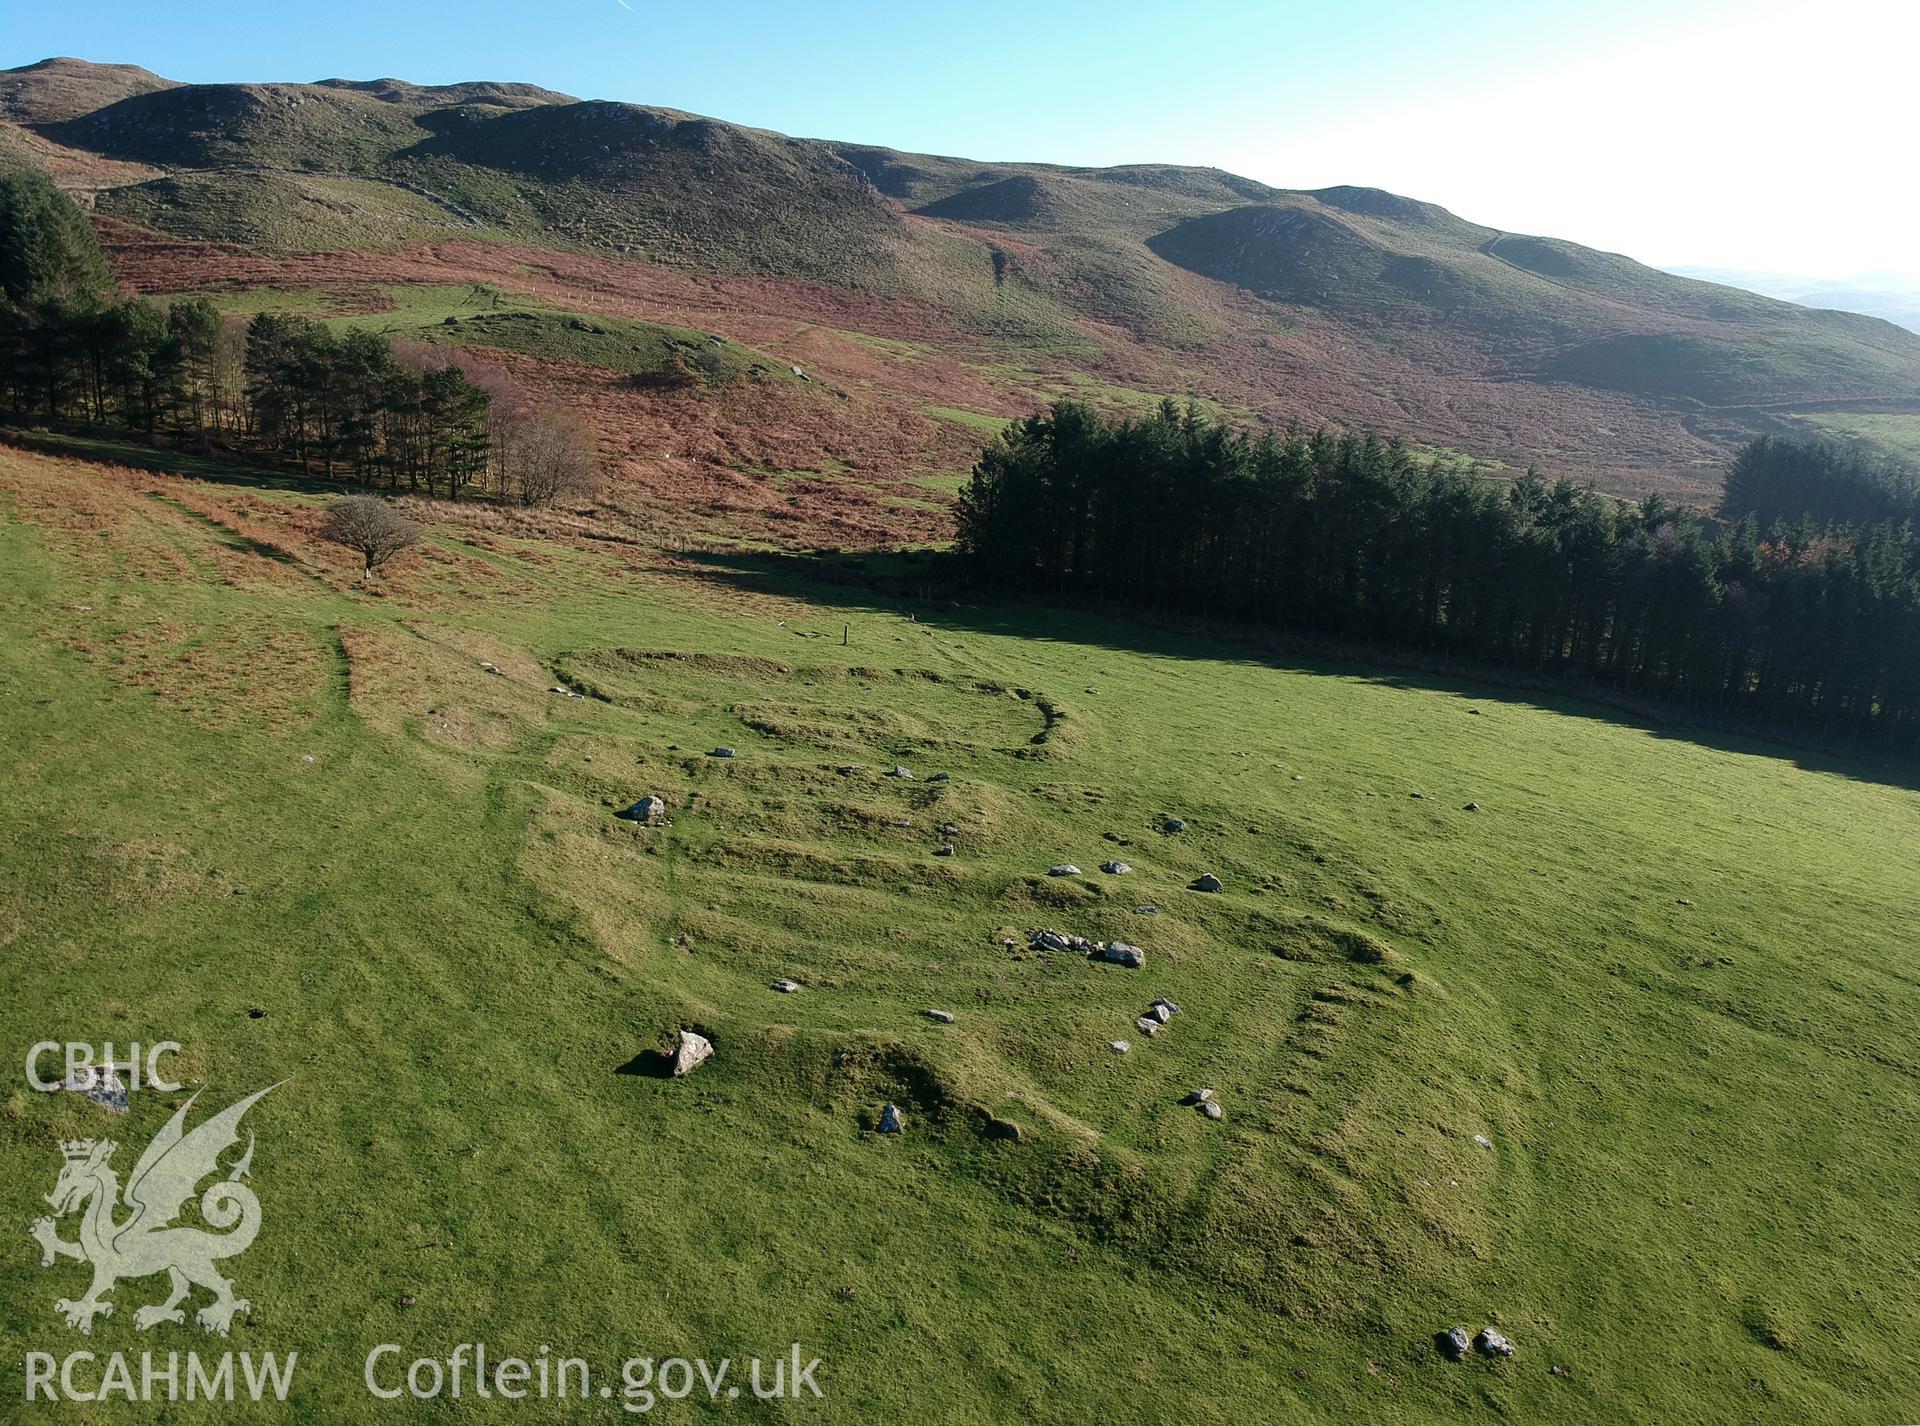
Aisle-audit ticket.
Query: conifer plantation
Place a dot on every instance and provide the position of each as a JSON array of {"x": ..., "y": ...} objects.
[
  {"x": 1787, "y": 616},
  {"x": 282, "y": 389}
]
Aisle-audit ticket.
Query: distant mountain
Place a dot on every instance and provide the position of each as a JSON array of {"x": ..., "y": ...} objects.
[
  {"x": 1346, "y": 303},
  {"x": 1885, "y": 297},
  {"x": 57, "y": 89}
]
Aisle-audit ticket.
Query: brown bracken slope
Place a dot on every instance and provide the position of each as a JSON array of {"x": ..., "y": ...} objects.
[{"x": 926, "y": 297}]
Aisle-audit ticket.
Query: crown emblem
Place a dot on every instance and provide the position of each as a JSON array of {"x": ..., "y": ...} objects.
[{"x": 77, "y": 1149}]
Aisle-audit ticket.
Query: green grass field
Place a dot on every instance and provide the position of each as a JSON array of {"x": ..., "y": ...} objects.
[
  {"x": 480, "y": 315},
  {"x": 1670, "y": 980},
  {"x": 1897, "y": 433}
]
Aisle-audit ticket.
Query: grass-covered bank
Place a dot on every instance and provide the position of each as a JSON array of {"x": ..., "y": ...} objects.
[{"x": 1697, "y": 1198}]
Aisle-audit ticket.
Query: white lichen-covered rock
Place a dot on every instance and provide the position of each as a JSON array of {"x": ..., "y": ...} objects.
[
  {"x": 690, "y": 1051},
  {"x": 890, "y": 1120},
  {"x": 1064, "y": 869},
  {"x": 1492, "y": 1344},
  {"x": 647, "y": 809},
  {"x": 1115, "y": 868},
  {"x": 945, "y": 1017},
  {"x": 1122, "y": 954}
]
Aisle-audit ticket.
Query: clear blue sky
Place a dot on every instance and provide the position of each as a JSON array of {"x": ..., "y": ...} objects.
[{"x": 1663, "y": 128}]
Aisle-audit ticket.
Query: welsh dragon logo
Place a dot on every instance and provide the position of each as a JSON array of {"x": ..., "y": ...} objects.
[{"x": 148, "y": 1240}]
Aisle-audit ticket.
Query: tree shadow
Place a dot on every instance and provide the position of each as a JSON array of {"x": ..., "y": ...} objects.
[
  {"x": 212, "y": 467},
  {"x": 911, "y": 584},
  {"x": 231, "y": 538}
]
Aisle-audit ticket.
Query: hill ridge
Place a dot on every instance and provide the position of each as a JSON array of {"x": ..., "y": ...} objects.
[{"x": 1391, "y": 310}]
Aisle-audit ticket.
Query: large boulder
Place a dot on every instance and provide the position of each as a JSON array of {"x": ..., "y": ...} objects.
[
  {"x": 1122, "y": 954},
  {"x": 1454, "y": 1342},
  {"x": 690, "y": 1051},
  {"x": 1206, "y": 881},
  {"x": 1115, "y": 868},
  {"x": 1492, "y": 1344},
  {"x": 890, "y": 1120},
  {"x": 1064, "y": 869},
  {"x": 647, "y": 809}
]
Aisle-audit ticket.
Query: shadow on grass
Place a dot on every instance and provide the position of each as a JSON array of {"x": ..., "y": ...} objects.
[
  {"x": 908, "y": 583},
  {"x": 649, "y": 1064},
  {"x": 232, "y": 539},
  {"x": 214, "y": 469}
]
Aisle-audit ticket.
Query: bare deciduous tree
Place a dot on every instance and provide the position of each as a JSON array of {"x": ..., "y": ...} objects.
[
  {"x": 554, "y": 458},
  {"x": 372, "y": 528}
]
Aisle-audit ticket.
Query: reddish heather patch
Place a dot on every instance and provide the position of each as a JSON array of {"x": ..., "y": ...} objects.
[{"x": 682, "y": 457}]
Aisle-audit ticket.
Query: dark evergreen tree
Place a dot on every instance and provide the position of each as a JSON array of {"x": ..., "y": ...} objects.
[
  {"x": 1815, "y": 622},
  {"x": 47, "y": 247}
]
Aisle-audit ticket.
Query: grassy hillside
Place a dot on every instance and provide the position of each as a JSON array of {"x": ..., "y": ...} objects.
[
  {"x": 1539, "y": 308},
  {"x": 483, "y": 316},
  {"x": 1110, "y": 245},
  {"x": 301, "y": 828},
  {"x": 59, "y": 89},
  {"x": 1348, "y": 304}
]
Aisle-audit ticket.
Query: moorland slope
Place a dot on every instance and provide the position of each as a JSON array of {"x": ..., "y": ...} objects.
[{"x": 1014, "y": 282}]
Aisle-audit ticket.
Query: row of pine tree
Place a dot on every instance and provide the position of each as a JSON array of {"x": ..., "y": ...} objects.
[
  {"x": 1810, "y": 619},
  {"x": 281, "y": 388}
]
